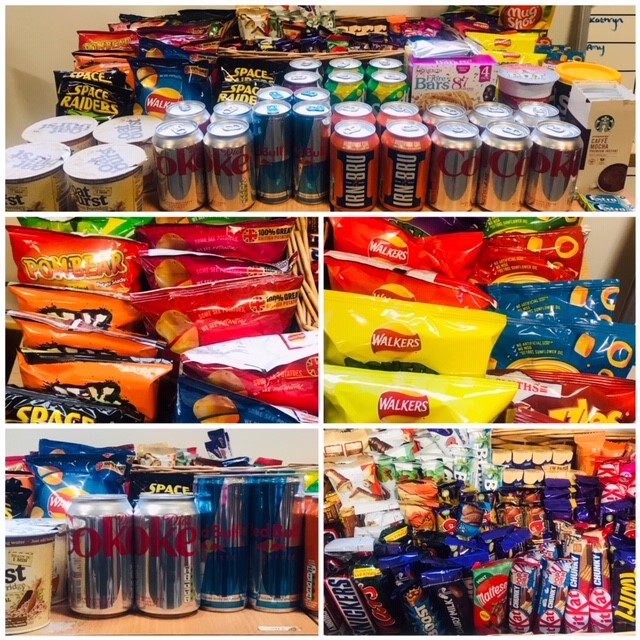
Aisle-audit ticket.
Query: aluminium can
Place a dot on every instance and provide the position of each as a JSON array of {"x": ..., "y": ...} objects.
[
  {"x": 306, "y": 64},
  {"x": 189, "y": 110},
  {"x": 396, "y": 111},
  {"x": 455, "y": 159},
  {"x": 441, "y": 111},
  {"x": 311, "y": 131},
  {"x": 229, "y": 161},
  {"x": 223, "y": 504},
  {"x": 344, "y": 64},
  {"x": 100, "y": 542},
  {"x": 275, "y": 92},
  {"x": 352, "y": 111},
  {"x": 167, "y": 554},
  {"x": 272, "y": 142},
  {"x": 346, "y": 86},
  {"x": 404, "y": 165},
  {"x": 555, "y": 162},
  {"x": 276, "y": 543},
  {"x": 180, "y": 174},
  {"x": 387, "y": 86},
  {"x": 234, "y": 109},
  {"x": 312, "y": 94},
  {"x": 353, "y": 165},
  {"x": 504, "y": 161},
  {"x": 382, "y": 64},
  {"x": 485, "y": 112},
  {"x": 295, "y": 80},
  {"x": 532, "y": 113}
]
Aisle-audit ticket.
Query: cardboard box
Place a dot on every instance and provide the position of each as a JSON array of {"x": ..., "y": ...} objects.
[
  {"x": 605, "y": 113},
  {"x": 465, "y": 81}
]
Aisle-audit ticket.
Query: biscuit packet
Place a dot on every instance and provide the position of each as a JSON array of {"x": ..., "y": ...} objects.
[{"x": 355, "y": 481}]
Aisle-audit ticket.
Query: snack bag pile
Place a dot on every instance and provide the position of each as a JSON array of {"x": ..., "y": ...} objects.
[{"x": 436, "y": 531}]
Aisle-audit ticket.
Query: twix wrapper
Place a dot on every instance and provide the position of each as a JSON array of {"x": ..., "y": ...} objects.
[
  {"x": 576, "y": 616},
  {"x": 553, "y": 595},
  {"x": 600, "y": 609}
]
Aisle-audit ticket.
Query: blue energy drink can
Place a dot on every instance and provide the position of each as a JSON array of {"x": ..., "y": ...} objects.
[
  {"x": 276, "y": 543},
  {"x": 272, "y": 142},
  {"x": 223, "y": 504},
  {"x": 311, "y": 132}
]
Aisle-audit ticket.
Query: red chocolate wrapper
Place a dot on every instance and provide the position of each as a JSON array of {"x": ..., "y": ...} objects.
[
  {"x": 537, "y": 257},
  {"x": 490, "y": 585},
  {"x": 600, "y": 607},
  {"x": 259, "y": 240},
  {"x": 576, "y": 614},
  {"x": 451, "y": 254},
  {"x": 524, "y": 580},
  {"x": 188, "y": 317},
  {"x": 553, "y": 595},
  {"x": 358, "y": 274},
  {"x": 98, "y": 263}
]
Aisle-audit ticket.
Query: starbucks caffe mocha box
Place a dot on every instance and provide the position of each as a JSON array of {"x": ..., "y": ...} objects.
[{"x": 605, "y": 113}]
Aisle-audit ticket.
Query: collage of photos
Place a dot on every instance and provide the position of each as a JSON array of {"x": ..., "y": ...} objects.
[{"x": 265, "y": 262}]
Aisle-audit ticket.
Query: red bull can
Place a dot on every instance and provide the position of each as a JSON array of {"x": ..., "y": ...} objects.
[
  {"x": 453, "y": 174},
  {"x": 311, "y": 131},
  {"x": 100, "y": 545},
  {"x": 276, "y": 543},
  {"x": 189, "y": 110},
  {"x": 485, "y": 112},
  {"x": 441, "y": 111},
  {"x": 223, "y": 504},
  {"x": 274, "y": 93},
  {"x": 555, "y": 162},
  {"x": 312, "y": 94},
  {"x": 504, "y": 161},
  {"x": 229, "y": 160},
  {"x": 179, "y": 158},
  {"x": 167, "y": 554}
]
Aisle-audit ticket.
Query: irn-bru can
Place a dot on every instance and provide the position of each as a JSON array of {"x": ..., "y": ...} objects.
[
  {"x": 276, "y": 543},
  {"x": 272, "y": 143},
  {"x": 382, "y": 64},
  {"x": 310, "y": 573},
  {"x": 352, "y": 111},
  {"x": 396, "y": 111},
  {"x": 344, "y": 64},
  {"x": 223, "y": 504},
  {"x": 274, "y": 93},
  {"x": 442, "y": 111},
  {"x": 346, "y": 86},
  {"x": 354, "y": 158},
  {"x": 295, "y": 80},
  {"x": 404, "y": 165},
  {"x": 312, "y": 94},
  {"x": 311, "y": 131},
  {"x": 387, "y": 86}
]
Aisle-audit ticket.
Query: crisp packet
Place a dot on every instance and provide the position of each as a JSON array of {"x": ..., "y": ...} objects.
[{"x": 527, "y": 224}]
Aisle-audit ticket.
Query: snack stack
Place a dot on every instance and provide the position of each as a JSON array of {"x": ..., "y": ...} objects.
[
  {"x": 426, "y": 315},
  {"x": 424, "y": 535}
]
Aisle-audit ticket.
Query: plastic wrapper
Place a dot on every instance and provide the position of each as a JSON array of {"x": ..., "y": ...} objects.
[
  {"x": 107, "y": 40},
  {"x": 527, "y": 224},
  {"x": 600, "y": 607},
  {"x": 451, "y": 599},
  {"x": 576, "y": 615},
  {"x": 18, "y": 493},
  {"x": 393, "y": 335},
  {"x": 172, "y": 483},
  {"x": 241, "y": 79},
  {"x": 524, "y": 581},
  {"x": 47, "y": 446},
  {"x": 355, "y": 481},
  {"x": 490, "y": 586},
  {"x": 554, "y": 583}
]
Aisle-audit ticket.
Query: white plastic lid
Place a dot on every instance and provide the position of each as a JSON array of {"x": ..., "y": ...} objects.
[
  {"x": 105, "y": 161},
  {"x": 65, "y": 129},
  {"x": 32, "y": 159},
  {"x": 127, "y": 130}
]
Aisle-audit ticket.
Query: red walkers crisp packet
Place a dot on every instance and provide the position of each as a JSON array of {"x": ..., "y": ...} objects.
[
  {"x": 98, "y": 263},
  {"x": 278, "y": 369},
  {"x": 188, "y": 317},
  {"x": 537, "y": 257},
  {"x": 259, "y": 240},
  {"x": 357, "y": 274},
  {"x": 451, "y": 254}
]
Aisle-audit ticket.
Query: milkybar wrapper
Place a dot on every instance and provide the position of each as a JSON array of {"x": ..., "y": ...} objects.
[
  {"x": 524, "y": 581},
  {"x": 378, "y": 333},
  {"x": 355, "y": 481},
  {"x": 576, "y": 615},
  {"x": 553, "y": 595},
  {"x": 600, "y": 607}
]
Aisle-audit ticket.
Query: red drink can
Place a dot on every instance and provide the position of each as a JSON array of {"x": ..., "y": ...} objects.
[
  {"x": 352, "y": 111},
  {"x": 354, "y": 158},
  {"x": 396, "y": 111},
  {"x": 404, "y": 165},
  {"x": 310, "y": 573},
  {"x": 455, "y": 158}
]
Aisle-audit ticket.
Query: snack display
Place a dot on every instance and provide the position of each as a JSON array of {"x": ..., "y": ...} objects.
[{"x": 470, "y": 532}]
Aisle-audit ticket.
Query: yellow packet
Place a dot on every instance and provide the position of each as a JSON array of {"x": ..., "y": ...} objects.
[
  {"x": 522, "y": 42},
  {"x": 518, "y": 57},
  {"x": 357, "y": 395},
  {"x": 394, "y": 335}
]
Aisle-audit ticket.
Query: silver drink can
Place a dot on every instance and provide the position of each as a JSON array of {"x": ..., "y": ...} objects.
[
  {"x": 395, "y": 110},
  {"x": 100, "y": 544},
  {"x": 167, "y": 554},
  {"x": 276, "y": 92},
  {"x": 306, "y": 64},
  {"x": 178, "y": 150},
  {"x": 442, "y": 111},
  {"x": 555, "y": 162},
  {"x": 531, "y": 113},
  {"x": 506, "y": 150},
  {"x": 485, "y": 112},
  {"x": 229, "y": 162},
  {"x": 189, "y": 110},
  {"x": 312, "y": 94},
  {"x": 455, "y": 158},
  {"x": 235, "y": 110}
]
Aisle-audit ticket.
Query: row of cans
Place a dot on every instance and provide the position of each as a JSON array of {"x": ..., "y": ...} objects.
[{"x": 237, "y": 541}]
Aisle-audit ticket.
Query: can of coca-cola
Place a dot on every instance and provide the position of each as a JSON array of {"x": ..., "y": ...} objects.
[
  {"x": 485, "y": 112},
  {"x": 100, "y": 545},
  {"x": 555, "y": 162},
  {"x": 504, "y": 160},
  {"x": 229, "y": 161},
  {"x": 167, "y": 554},
  {"x": 455, "y": 158},
  {"x": 178, "y": 149}
]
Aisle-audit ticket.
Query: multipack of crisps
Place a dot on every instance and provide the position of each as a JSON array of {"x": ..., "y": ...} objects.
[
  {"x": 100, "y": 263},
  {"x": 96, "y": 308},
  {"x": 353, "y": 395},
  {"x": 577, "y": 398},
  {"x": 547, "y": 345},
  {"x": 202, "y": 314},
  {"x": 535, "y": 257},
  {"x": 393, "y": 335},
  {"x": 259, "y": 240},
  {"x": 372, "y": 277},
  {"x": 526, "y": 224},
  {"x": 123, "y": 227},
  {"x": 451, "y": 254},
  {"x": 171, "y": 268},
  {"x": 278, "y": 369},
  {"x": 128, "y": 383},
  {"x": 40, "y": 331},
  {"x": 575, "y": 300}
]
